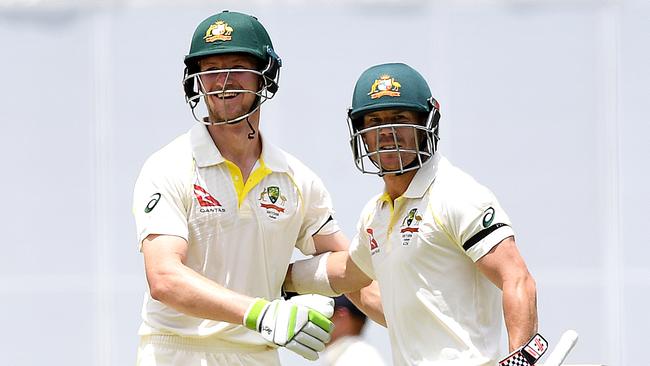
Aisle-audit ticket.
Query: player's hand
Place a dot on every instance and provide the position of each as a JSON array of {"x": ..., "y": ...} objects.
[
  {"x": 320, "y": 303},
  {"x": 291, "y": 325},
  {"x": 528, "y": 354}
]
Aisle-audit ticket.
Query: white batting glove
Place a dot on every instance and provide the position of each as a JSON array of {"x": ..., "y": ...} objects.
[
  {"x": 320, "y": 303},
  {"x": 291, "y": 325}
]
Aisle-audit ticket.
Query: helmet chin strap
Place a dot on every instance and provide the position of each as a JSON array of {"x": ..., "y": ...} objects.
[{"x": 251, "y": 135}]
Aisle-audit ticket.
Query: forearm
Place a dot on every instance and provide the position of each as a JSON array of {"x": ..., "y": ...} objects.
[
  {"x": 338, "y": 274},
  {"x": 344, "y": 276},
  {"x": 520, "y": 310},
  {"x": 190, "y": 293},
  {"x": 368, "y": 299}
]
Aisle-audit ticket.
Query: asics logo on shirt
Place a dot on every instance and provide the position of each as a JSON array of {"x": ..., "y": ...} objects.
[
  {"x": 488, "y": 217},
  {"x": 154, "y": 201}
]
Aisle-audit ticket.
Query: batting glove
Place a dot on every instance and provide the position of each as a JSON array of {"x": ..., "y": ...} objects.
[
  {"x": 291, "y": 325},
  {"x": 528, "y": 354}
]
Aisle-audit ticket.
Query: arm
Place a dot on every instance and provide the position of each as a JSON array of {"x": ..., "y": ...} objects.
[
  {"x": 302, "y": 330},
  {"x": 368, "y": 299},
  {"x": 504, "y": 266},
  {"x": 178, "y": 286},
  {"x": 345, "y": 276},
  {"x": 342, "y": 273}
]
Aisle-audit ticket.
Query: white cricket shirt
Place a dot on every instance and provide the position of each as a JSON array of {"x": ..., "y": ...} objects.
[
  {"x": 350, "y": 351},
  {"x": 240, "y": 234},
  {"x": 440, "y": 309}
]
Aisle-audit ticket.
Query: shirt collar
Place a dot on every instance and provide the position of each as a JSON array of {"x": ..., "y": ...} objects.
[
  {"x": 421, "y": 181},
  {"x": 203, "y": 148},
  {"x": 274, "y": 158},
  {"x": 423, "y": 178},
  {"x": 206, "y": 152}
]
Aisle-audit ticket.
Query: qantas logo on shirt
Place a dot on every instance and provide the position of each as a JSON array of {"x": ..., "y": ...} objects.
[
  {"x": 374, "y": 247},
  {"x": 206, "y": 201}
]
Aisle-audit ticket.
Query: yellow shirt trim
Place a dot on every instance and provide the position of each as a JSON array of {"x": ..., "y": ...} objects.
[
  {"x": 254, "y": 178},
  {"x": 386, "y": 198}
]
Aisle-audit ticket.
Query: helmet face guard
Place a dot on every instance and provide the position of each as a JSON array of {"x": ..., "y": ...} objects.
[
  {"x": 392, "y": 86},
  {"x": 424, "y": 144},
  {"x": 196, "y": 91},
  {"x": 229, "y": 33}
]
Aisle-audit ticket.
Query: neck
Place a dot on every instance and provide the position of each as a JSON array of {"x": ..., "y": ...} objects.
[
  {"x": 395, "y": 185},
  {"x": 234, "y": 144}
]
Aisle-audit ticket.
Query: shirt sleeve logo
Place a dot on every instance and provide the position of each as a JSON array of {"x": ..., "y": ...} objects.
[
  {"x": 152, "y": 203},
  {"x": 488, "y": 217},
  {"x": 374, "y": 247}
]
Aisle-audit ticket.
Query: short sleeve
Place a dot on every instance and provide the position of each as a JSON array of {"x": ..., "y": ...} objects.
[
  {"x": 360, "y": 250},
  {"x": 319, "y": 216},
  {"x": 477, "y": 221},
  {"x": 160, "y": 205}
]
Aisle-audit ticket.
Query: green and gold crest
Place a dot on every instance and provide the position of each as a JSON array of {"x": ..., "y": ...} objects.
[
  {"x": 274, "y": 193},
  {"x": 411, "y": 215}
]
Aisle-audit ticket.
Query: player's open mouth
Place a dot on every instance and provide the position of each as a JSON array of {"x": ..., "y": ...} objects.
[
  {"x": 226, "y": 95},
  {"x": 390, "y": 147}
]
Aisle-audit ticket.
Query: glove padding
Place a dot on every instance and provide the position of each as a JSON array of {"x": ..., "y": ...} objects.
[
  {"x": 293, "y": 325},
  {"x": 320, "y": 303}
]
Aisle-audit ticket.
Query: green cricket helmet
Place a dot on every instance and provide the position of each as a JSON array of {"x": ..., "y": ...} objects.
[
  {"x": 227, "y": 33},
  {"x": 394, "y": 86}
]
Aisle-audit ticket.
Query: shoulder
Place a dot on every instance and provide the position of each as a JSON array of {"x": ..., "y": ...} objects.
[
  {"x": 297, "y": 169},
  {"x": 371, "y": 206},
  {"x": 303, "y": 176},
  {"x": 454, "y": 191},
  {"x": 173, "y": 160},
  {"x": 368, "y": 212},
  {"x": 457, "y": 185}
]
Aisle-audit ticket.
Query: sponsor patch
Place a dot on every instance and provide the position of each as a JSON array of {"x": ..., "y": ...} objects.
[
  {"x": 374, "y": 247},
  {"x": 206, "y": 201}
]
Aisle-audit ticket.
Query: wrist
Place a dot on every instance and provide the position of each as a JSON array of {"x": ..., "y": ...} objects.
[{"x": 254, "y": 312}]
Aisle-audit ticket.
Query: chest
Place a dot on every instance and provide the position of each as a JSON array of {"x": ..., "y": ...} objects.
[
  {"x": 408, "y": 237},
  {"x": 269, "y": 205}
]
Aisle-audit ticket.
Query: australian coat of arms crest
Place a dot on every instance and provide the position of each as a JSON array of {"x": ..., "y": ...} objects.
[{"x": 272, "y": 201}]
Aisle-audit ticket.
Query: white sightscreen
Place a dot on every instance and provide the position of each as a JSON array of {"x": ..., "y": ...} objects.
[{"x": 545, "y": 103}]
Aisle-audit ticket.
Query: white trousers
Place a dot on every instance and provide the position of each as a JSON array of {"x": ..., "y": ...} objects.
[{"x": 170, "y": 350}]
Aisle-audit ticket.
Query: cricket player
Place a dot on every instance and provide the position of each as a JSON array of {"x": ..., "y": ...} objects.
[
  {"x": 218, "y": 212},
  {"x": 438, "y": 243},
  {"x": 347, "y": 347}
]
